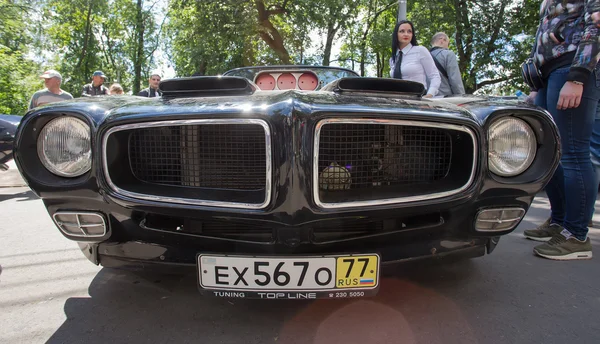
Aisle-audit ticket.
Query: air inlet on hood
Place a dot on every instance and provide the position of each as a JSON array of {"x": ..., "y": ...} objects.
[
  {"x": 206, "y": 86},
  {"x": 376, "y": 86}
]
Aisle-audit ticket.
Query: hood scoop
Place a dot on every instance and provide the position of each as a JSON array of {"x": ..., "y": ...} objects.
[
  {"x": 380, "y": 87},
  {"x": 206, "y": 86}
]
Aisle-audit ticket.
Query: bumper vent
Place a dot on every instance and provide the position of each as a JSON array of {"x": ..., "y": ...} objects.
[
  {"x": 210, "y": 228},
  {"x": 81, "y": 225}
]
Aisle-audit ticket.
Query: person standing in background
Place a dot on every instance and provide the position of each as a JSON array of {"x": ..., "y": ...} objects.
[
  {"x": 116, "y": 89},
  {"x": 566, "y": 51},
  {"x": 447, "y": 64},
  {"x": 52, "y": 93},
  {"x": 96, "y": 87},
  {"x": 412, "y": 62},
  {"x": 152, "y": 91}
]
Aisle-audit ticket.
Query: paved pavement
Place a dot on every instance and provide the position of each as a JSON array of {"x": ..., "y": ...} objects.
[
  {"x": 50, "y": 293},
  {"x": 12, "y": 177}
]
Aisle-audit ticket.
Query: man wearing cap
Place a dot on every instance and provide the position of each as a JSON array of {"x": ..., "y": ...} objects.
[
  {"x": 96, "y": 87},
  {"x": 152, "y": 91},
  {"x": 52, "y": 93}
]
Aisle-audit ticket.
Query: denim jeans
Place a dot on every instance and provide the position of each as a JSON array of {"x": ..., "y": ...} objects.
[
  {"x": 573, "y": 188},
  {"x": 595, "y": 142}
]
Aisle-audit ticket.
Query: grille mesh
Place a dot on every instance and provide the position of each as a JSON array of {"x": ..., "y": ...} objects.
[
  {"x": 218, "y": 156},
  {"x": 367, "y": 156}
]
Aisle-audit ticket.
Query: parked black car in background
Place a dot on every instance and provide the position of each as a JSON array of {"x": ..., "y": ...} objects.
[
  {"x": 8, "y": 128},
  {"x": 285, "y": 181}
]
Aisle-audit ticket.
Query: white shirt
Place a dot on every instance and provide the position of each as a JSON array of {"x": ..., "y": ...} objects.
[{"x": 417, "y": 65}]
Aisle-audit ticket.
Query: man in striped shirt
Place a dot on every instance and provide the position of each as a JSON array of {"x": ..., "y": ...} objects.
[{"x": 52, "y": 93}]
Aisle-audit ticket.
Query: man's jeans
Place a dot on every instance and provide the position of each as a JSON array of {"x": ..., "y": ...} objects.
[{"x": 573, "y": 188}]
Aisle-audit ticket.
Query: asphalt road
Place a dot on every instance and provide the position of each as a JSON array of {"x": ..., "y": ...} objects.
[{"x": 50, "y": 293}]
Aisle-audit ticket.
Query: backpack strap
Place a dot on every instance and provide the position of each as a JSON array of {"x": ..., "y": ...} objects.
[{"x": 437, "y": 63}]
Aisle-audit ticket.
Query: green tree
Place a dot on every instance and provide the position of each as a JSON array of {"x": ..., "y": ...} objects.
[
  {"x": 18, "y": 73},
  {"x": 72, "y": 36},
  {"x": 490, "y": 38},
  {"x": 118, "y": 37}
]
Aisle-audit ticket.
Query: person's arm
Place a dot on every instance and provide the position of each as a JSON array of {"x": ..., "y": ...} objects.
[
  {"x": 85, "y": 92},
  {"x": 586, "y": 59},
  {"x": 454, "y": 76},
  {"x": 588, "y": 49},
  {"x": 431, "y": 71},
  {"x": 392, "y": 66},
  {"x": 32, "y": 102},
  {"x": 143, "y": 93}
]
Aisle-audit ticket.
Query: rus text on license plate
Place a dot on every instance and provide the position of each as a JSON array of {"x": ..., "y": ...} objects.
[{"x": 285, "y": 278}]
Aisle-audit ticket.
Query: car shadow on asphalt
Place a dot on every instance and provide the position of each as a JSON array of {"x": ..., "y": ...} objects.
[
  {"x": 20, "y": 197},
  {"x": 146, "y": 307}
]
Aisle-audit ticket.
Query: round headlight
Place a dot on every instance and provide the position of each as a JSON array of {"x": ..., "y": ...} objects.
[
  {"x": 64, "y": 147},
  {"x": 512, "y": 147}
]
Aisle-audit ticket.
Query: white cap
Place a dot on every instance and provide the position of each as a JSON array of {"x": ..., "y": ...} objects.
[{"x": 51, "y": 74}]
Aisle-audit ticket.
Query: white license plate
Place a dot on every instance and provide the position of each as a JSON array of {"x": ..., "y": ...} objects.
[{"x": 351, "y": 272}]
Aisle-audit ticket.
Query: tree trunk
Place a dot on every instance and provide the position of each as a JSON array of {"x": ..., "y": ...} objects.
[
  {"x": 380, "y": 64},
  {"x": 363, "y": 42},
  {"x": 139, "y": 54},
  {"x": 88, "y": 29},
  {"x": 373, "y": 19},
  {"x": 269, "y": 33},
  {"x": 331, "y": 32},
  {"x": 202, "y": 68},
  {"x": 249, "y": 54},
  {"x": 464, "y": 43}
]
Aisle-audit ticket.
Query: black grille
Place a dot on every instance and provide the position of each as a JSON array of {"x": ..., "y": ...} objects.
[
  {"x": 215, "y": 156},
  {"x": 373, "y": 156}
]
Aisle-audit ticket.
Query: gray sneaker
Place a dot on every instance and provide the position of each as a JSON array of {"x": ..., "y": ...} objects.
[
  {"x": 564, "y": 246},
  {"x": 543, "y": 232}
]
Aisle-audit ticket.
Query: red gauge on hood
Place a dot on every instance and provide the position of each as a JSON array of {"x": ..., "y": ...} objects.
[
  {"x": 265, "y": 82},
  {"x": 286, "y": 81},
  {"x": 308, "y": 82}
]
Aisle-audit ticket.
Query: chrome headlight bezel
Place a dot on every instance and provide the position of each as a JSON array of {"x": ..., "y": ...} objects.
[
  {"x": 522, "y": 150},
  {"x": 64, "y": 146}
]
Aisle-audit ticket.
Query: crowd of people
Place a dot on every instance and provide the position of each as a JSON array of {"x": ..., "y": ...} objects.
[
  {"x": 437, "y": 68},
  {"x": 53, "y": 93}
]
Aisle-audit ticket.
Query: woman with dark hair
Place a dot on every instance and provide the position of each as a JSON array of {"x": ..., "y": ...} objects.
[{"x": 412, "y": 62}]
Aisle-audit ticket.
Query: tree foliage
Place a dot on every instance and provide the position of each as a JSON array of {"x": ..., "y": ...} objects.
[
  {"x": 18, "y": 73},
  {"x": 118, "y": 37},
  {"x": 490, "y": 36}
]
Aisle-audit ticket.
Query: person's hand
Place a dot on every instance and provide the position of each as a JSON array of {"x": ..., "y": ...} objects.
[
  {"x": 531, "y": 97},
  {"x": 570, "y": 96},
  {"x": 596, "y": 18},
  {"x": 428, "y": 95}
]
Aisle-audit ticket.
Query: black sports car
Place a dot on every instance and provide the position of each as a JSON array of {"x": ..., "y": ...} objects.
[
  {"x": 8, "y": 128},
  {"x": 285, "y": 181}
]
